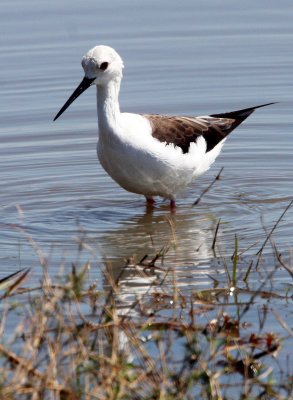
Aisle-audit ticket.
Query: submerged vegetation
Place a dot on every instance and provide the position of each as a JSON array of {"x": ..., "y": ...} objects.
[{"x": 72, "y": 339}]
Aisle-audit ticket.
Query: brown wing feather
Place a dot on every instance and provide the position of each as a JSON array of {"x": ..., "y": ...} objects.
[{"x": 182, "y": 131}]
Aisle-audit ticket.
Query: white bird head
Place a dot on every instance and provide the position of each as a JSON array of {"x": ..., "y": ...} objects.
[{"x": 101, "y": 65}]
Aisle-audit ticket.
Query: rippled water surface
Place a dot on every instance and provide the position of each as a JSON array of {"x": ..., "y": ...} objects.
[{"x": 189, "y": 58}]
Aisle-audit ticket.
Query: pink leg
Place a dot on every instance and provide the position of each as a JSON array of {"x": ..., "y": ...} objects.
[
  {"x": 150, "y": 201},
  {"x": 173, "y": 205}
]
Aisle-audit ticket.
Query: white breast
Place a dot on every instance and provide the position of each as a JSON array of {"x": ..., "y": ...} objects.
[{"x": 141, "y": 164}]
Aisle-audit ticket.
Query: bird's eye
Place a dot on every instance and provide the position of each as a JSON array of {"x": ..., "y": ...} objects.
[{"x": 104, "y": 65}]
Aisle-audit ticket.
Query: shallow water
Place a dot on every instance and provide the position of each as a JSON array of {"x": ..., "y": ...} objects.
[{"x": 200, "y": 58}]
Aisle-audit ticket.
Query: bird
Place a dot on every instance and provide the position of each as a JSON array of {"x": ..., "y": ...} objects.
[{"x": 150, "y": 154}]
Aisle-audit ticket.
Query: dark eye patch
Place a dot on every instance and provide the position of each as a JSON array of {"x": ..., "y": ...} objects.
[{"x": 104, "y": 65}]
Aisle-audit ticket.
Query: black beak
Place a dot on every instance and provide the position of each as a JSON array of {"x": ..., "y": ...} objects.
[{"x": 84, "y": 84}]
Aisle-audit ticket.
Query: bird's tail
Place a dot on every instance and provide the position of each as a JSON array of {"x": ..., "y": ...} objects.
[{"x": 240, "y": 115}]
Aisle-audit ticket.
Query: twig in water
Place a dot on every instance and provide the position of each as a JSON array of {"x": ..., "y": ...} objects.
[
  {"x": 256, "y": 293},
  {"x": 235, "y": 259},
  {"x": 248, "y": 271},
  {"x": 282, "y": 263},
  {"x": 282, "y": 322},
  {"x": 12, "y": 281},
  {"x": 208, "y": 188},
  {"x": 215, "y": 236},
  {"x": 259, "y": 253}
]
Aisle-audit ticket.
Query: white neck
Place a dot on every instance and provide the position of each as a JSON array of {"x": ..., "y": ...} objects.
[{"x": 108, "y": 106}]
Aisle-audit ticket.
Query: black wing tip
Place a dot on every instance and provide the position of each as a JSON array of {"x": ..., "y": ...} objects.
[
  {"x": 264, "y": 105},
  {"x": 243, "y": 113}
]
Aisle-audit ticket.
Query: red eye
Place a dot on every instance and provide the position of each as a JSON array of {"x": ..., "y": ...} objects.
[{"x": 104, "y": 65}]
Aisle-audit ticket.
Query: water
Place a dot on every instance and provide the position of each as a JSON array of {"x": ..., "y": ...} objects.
[{"x": 193, "y": 58}]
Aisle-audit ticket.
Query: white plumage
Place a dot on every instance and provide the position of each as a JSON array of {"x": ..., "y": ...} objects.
[{"x": 148, "y": 154}]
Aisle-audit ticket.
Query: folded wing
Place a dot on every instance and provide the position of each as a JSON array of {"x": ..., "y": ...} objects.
[{"x": 182, "y": 131}]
